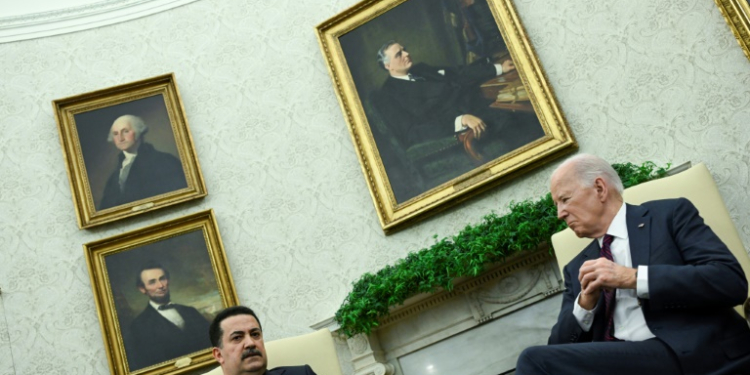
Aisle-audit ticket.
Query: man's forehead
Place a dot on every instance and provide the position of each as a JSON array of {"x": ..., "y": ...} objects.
[
  {"x": 152, "y": 273},
  {"x": 393, "y": 49},
  {"x": 120, "y": 124},
  {"x": 239, "y": 323}
]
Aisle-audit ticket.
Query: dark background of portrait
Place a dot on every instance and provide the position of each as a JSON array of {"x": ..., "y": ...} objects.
[
  {"x": 191, "y": 277},
  {"x": 100, "y": 156},
  {"x": 419, "y": 25}
]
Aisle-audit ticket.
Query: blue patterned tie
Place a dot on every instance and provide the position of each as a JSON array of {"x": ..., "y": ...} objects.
[{"x": 609, "y": 295}]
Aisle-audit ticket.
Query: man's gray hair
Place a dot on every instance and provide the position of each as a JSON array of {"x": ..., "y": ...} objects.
[
  {"x": 136, "y": 123},
  {"x": 382, "y": 58},
  {"x": 588, "y": 167}
]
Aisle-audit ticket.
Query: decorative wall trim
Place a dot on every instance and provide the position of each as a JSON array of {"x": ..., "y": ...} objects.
[{"x": 83, "y": 17}]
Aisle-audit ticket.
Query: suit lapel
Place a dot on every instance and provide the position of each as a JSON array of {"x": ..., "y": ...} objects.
[
  {"x": 639, "y": 233},
  {"x": 591, "y": 251}
]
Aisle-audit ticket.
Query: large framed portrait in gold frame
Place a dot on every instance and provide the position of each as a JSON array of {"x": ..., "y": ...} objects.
[
  {"x": 156, "y": 290},
  {"x": 444, "y": 99},
  {"x": 128, "y": 150},
  {"x": 737, "y": 15}
]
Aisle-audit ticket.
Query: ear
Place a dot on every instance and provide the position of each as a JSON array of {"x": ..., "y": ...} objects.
[
  {"x": 216, "y": 352},
  {"x": 142, "y": 289},
  {"x": 602, "y": 190}
]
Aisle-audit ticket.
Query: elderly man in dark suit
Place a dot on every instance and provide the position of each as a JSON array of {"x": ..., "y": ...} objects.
[
  {"x": 422, "y": 102},
  {"x": 164, "y": 330},
  {"x": 142, "y": 171},
  {"x": 237, "y": 337},
  {"x": 653, "y": 293}
]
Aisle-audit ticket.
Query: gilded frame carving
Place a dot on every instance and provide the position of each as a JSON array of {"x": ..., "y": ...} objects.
[
  {"x": 92, "y": 163},
  {"x": 350, "y": 69},
  {"x": 737, "y": 15},
  {"x": 191, "y": 250}
]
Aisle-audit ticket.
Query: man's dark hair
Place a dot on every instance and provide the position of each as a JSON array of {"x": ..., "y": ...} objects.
[
  {"x": 215, "y": 332},
  {"x": 382, "y": 58},
  {"x": 149, "y": 266}
]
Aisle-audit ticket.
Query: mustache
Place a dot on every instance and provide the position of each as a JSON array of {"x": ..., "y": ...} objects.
[{"x": 250, "y": 352}]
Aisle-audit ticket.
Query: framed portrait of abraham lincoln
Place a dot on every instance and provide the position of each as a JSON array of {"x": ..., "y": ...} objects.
[
  {"x": 156, "y": 291},
  {"x": 444, "y": 99},
  {"x": 737, "y": 15},
  {"x": 128, "y": 150}
]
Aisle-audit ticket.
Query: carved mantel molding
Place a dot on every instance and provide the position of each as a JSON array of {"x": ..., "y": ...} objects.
[{"x": 426, "y": 319}]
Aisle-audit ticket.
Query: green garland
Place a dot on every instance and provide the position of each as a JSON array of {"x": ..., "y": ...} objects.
[{"x": 525, "y": 227}]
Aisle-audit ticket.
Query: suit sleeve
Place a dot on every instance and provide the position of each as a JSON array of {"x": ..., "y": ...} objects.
[
  {"x": 709, "y": 275},
  {"x": 567, "y": 329},
  {"x": 472, "y": 74}
]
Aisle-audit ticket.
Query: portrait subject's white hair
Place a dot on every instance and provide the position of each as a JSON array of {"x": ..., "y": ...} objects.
[
  {"x": 588, "y": 168},
  {"x": 382, "y": 58},
  {"x": 136, "y": 123}
]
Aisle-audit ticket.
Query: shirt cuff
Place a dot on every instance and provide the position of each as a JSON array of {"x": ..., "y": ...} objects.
[
  {"x": 641, "y": 285},
  {"x": 584, "y": 317},
  {"x": 498, "y": 69},
  {"x": 458, "y": 126}
]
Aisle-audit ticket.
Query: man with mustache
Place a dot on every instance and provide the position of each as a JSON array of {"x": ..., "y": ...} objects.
[
  {"x": 164, "y": 330},
  {"x": 237, "y": 338}
]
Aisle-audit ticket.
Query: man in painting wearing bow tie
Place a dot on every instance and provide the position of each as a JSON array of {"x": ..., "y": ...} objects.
[
  {"x": 164, "y": 330},
  {"x": 421, "y": 102},
  {"x": 652, "y": 294}
]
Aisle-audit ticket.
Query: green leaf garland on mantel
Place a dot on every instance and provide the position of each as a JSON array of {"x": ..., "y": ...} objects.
[{"x": 528, "y": 225}]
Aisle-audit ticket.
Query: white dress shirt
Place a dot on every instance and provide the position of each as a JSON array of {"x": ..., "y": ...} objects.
[
  {"x": 171, "y": 314},
  {"x": 629, "y": 322},
  {"x": 127, "y": 162}
]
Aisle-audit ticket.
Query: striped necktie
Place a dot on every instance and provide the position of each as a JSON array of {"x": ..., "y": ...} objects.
[{"x": 609, "y": 295}]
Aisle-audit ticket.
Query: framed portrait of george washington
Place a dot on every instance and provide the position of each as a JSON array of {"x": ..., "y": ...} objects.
[
  {"x": 128, "y": 150},
  {"x": 444, "y": 99},
  {"x": 156, "y": 291},
  {"x": 737, "y": 15}
]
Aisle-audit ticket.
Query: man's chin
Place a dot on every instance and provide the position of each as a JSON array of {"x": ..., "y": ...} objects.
[{"x": 254, "y": 364}]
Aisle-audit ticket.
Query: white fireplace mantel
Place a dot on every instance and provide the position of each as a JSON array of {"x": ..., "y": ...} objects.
[{"x": 478, "y": 328}]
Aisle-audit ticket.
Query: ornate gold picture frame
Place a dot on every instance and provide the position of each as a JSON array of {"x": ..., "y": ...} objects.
[
  {"x": 737, "y": 14},
  {"x": 416, "y": 134},
  {"x": 151, "y": 281},
  {"x": 100, "y": 132}
]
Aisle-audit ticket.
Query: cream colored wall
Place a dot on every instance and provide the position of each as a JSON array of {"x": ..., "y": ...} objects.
[{"x": 660, "y": 80}]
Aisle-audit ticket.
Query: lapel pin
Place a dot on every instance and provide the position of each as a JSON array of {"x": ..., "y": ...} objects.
[{"x": 641, "y": 225}]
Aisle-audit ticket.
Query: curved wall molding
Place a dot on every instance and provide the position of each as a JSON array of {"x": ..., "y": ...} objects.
[{"x": 52, "y": 21}]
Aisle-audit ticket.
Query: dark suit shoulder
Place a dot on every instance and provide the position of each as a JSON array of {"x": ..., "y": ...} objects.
[{"x": 291, "y": 370}]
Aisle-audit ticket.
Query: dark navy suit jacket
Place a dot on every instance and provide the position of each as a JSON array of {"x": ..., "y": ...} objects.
[
  {"x": 153, "y": 339},
  {"x": 291, "y": 370},
  {"x": 694, "y": 283},
  {"x": 152, "y": 173}
]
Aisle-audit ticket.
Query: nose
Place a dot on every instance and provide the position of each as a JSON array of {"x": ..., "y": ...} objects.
[
  {"x": 561, "y": 213},
  {"x": 249, "y": 342}
]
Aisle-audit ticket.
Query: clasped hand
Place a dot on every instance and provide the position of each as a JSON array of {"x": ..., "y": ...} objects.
[
  {"x": 596, "y": 275},
  {"x": 475, "y": 124}
]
